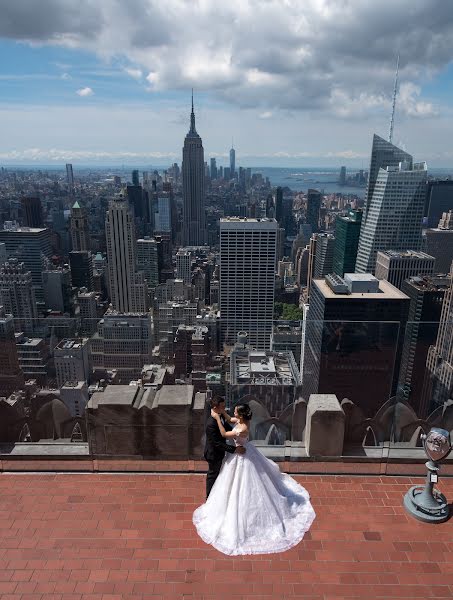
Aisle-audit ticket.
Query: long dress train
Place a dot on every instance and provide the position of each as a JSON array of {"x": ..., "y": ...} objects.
[{"x": 253, "y": 508}]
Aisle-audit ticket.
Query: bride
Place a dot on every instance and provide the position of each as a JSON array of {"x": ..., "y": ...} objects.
[{"x": 253, "y": 508}]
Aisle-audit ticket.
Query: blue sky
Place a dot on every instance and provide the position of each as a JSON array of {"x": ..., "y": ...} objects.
[{"x": 293, "y": 83}]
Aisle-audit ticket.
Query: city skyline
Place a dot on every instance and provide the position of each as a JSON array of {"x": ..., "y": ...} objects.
[{"x": 275, "y": 91}]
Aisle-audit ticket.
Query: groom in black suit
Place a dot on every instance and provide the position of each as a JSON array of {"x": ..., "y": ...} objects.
[{"x": 216, "y": 445}]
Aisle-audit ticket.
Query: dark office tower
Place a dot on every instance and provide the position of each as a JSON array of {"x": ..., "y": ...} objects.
[
  {"x": 353, "y": 339},
  {"x": 439, "y": 199},
  {"x": 438, "y": 384},
  {"x": 270, "y": 206},
  {"x": 347, "y": 232},
  {"x": 11, "y": 377},
  {"x": 30, "y": 245},
  {"x": 135, "y": 178},
  {"x": 193, "y": 187},
  {"x": 313, "y": 207},
  {"x": 383, "y": 155},
  {"x": 136, "y": 200},
  {"x": 70, "y": 178},
  {"x": 220, "y": 172},
  {"x": 213, "y": 169},
  {"x": 232, "y": 162},
  {"x": 289, "y": 222},
  {"x": 342, "y": 180},
  {"x": 395, "y": 214},
  {"x": 279, "y": 206},
  {"x": 78, "y": 227},
  {"x": 32, "y": 211},
  {"x": 227, "y": 173},
  {"x": 426, "y": 296},
  {"x": 81, "y": 269}
]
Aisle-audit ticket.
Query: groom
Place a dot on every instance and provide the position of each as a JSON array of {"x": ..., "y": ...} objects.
[{"x": 216, "y": 446}]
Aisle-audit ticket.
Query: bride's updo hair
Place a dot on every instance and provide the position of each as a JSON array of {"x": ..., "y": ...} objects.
[{"x": 244, "y": 411}]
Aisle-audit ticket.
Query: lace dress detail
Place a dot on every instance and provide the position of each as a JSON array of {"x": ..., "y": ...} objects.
[{"x": 253, "y": 508}]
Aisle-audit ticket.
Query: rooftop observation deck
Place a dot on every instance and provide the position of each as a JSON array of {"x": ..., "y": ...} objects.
[{"x": 108, "y": 537}]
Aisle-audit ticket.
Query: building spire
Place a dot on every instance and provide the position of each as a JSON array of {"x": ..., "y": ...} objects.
[
  {"x": 192, "y": 119},
  {"x": 392, "y": 119}
]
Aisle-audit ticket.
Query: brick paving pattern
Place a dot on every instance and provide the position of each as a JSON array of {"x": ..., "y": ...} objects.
[{"x": 112, "y": 537}]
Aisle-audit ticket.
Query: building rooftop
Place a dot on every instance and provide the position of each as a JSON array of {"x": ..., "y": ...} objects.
[
  {"x": 131, "y": 536},
  {"x": 406, "y": 254},
  {"x": 263, "y": 367},
  {"x": 386, "y": 291}
]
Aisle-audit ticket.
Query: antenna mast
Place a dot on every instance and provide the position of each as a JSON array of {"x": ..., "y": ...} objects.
[{"x": 392, "y": 120}]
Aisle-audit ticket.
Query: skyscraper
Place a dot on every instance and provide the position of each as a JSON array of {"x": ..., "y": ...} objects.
[
  {"x": 347, "y": 233},
  {"x": 135, "y": 177},
  {"x": 353, "y": 339},
  {"x": 395, "y": 266},
  {"x": 80, "y": 235},
  {"x": 70, "y": 178},
  {"x": 279, "y": 205},
  {"x": 247, "y": 278},
  {"x": 184, "y": 265},
  {"x": 11, "y": 377},
  {"x": 313, "y": 207},
  {"x": 17, "y": 295},
  {"x": 342, "y": 180},
  {"x": 383, "y": 154},
  {"x": 438, "y": 384},
  {"x": 147, "y": 261},
  {"x": 213, "y": 169},
  {"x": 324, "y": 255},
  {"x": 232, "y": 162},
  {"x": 395, "y": 212},
  {"x": 32, "y": 209},
  {"x": 193, "y": 187},
  {"x": 127, "y": 286},
  {"x": 439, "y": 199}
]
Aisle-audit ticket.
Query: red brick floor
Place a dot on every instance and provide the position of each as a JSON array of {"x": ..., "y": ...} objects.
[{"x": 108, "y": 537}]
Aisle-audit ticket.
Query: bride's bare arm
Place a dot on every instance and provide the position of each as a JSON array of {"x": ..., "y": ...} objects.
[
  {"x": 228, "y": 418},
  {"x": 223, "y": 433}
]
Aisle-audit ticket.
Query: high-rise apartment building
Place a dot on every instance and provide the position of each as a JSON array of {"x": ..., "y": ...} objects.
[
  {"x": 247, "y": 278},
  {"x": 353, "y": 339},
  {"x": 438, "y": 384},
  {"x": 17, "y": 295},
  {"x": 313, "y": 207},
  {"x": 323, "y": 264},
  {"x": 127, "y": 285},
  {"x": 193, "y": 180},
  {"x": 395, "y": 213},
  {"x": 88, "y": 311},
  {"x": 30, "y": 245},
  {"x": 78, "y": 227},
  {"x": 347, "y": 233},
  {"x": 11, "y": 376},
  {"x": 395, "y": 266},
  {"x": 32, "y": 211}
]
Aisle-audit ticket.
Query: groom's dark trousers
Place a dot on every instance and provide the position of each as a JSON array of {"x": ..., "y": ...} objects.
[{"x": 214, "y": 451}]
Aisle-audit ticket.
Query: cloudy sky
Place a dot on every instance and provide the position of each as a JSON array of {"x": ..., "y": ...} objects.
[{"x": 293, "y": 82}]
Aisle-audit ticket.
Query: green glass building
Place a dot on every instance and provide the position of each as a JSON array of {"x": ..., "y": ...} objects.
[{"x": 347, "y": 231}]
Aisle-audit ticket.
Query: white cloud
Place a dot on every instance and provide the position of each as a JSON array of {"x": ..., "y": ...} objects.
[
  {"x": 266, "y": 115},
  {"x": 66, "y": 76},
  {"x": 84, "y": 92},
  {"x": 328, "y": 56},
  {"x": 134, "y": 73}
]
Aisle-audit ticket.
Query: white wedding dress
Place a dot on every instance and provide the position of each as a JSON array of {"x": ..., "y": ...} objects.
[{"x": 253, "y": 508}]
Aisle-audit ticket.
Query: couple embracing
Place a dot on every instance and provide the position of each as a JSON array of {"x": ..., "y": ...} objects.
[{"x": 251, "y": 507}]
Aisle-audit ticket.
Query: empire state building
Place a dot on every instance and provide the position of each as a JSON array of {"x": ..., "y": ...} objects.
[{"x": 193, "y": 187}]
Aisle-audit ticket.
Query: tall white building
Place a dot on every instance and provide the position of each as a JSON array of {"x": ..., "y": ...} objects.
[
  {"x": 247, "y": 278},
  {"x": 183, "y": 265},
  {"x": 193, "y": 180},
  {"x": 395, "y": 266},
  {"x": 127, "y": 286},
  {"x": 394, "y": 217}
]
